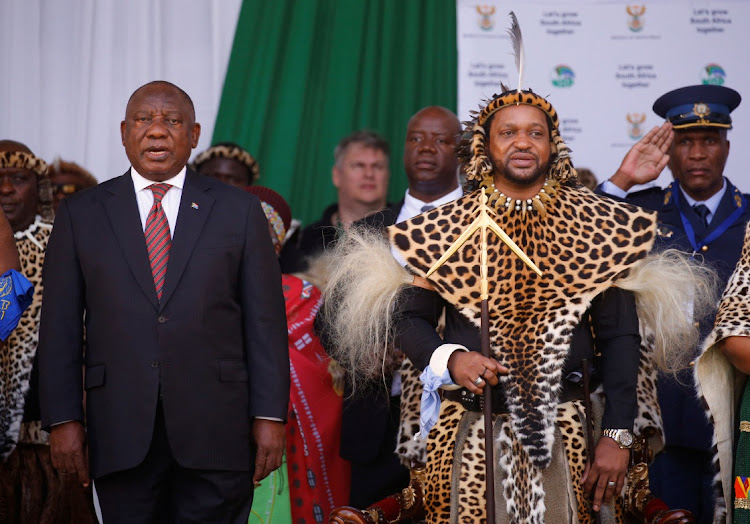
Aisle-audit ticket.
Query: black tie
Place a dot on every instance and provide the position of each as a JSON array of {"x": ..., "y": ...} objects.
[
  {"x": 702, "y": 211},
  {"x": 427, "y": 207}
]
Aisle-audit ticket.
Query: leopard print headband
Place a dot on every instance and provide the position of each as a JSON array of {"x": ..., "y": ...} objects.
[
  {"x": 20, "y": 159},
  {"x": 472, "y": 150},
  {"x": 234, "y": 153}
]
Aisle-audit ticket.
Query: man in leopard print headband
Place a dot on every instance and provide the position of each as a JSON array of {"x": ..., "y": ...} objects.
[
  {"x": 541, "y": 324},
  {"x": 229, "y": 163},
  {"x": 28, "y": 483}
]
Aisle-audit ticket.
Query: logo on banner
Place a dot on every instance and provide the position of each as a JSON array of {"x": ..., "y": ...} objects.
[
  {"x": 563, "y": 76},
  {"x": 636, "y": 22},
  {"x": 635, "y": 120},
  {"x": 713, "y": 74},
  {"x": 486, "y": 20}
]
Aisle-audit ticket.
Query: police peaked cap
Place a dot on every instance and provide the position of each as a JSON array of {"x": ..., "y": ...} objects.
[{"x": 698, "y": 106}]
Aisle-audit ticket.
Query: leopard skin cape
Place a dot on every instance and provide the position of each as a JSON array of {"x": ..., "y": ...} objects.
[
  {"x": 721, "y": 385},
  {"x": 583, "y": 245}
]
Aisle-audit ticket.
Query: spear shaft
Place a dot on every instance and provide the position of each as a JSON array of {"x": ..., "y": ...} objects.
[
  {"x": 489, "y": 466},
  {"x": 485, "y": 222},
  {"x": 489, "y": 448}
]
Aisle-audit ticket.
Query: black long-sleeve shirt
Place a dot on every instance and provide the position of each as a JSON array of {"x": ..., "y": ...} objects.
[{"x": 612, "y": 316}]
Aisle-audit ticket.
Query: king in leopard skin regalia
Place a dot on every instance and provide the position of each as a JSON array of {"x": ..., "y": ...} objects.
[{"x": 597, "y": 295}]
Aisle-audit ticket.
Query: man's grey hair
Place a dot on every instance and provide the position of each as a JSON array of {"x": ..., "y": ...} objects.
[{"x": 365, "y": 138}]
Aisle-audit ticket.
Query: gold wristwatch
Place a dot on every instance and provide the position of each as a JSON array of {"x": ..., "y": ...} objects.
[{"x": 623, "y": 437}]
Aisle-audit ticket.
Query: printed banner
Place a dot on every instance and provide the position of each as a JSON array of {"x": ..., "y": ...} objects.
[{"x": 602, "y": 66}]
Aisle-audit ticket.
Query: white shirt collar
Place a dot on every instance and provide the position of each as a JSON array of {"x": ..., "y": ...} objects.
[
  {"x": 139, "y": 182},
  {"x": 712, "y": 203},
  {"x": 413, "y": 206}
]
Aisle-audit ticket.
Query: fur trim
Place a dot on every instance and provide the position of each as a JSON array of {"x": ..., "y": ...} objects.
[
  {"x": 24, "y": 161},
  {"x": 358, "y": 302},
  {"x": 317, "y": 270},
  {"x": 673, "y": 292},
  {"x": 719, "y": 384},
  {"x": 715, "y": 380},
  {"x": 63, "y": 166}
]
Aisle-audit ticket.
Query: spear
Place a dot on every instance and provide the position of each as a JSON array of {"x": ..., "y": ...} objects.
[{"x": 484, "y": 222}]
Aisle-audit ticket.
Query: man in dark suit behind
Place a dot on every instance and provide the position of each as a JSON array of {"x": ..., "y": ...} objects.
[
  {"x": 186, "y": 369},
  {"x": 371, "y": 417}
]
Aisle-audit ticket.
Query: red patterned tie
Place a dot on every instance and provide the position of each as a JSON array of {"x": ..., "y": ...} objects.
[{"x": 158, "y": 238}]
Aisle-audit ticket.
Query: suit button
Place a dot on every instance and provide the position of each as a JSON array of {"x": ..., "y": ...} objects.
[
  {"x": 154, "y": 363},
  {"x": 162, "y": 320}
]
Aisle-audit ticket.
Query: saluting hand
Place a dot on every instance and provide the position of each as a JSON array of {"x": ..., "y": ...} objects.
[{"x": 646, "y": 160}]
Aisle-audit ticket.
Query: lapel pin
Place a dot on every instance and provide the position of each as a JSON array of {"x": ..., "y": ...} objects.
[{"x": 194, "y": 205}]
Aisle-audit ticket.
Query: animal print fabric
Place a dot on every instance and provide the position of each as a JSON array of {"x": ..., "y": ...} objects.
[
  {"x": 719, "y": 384},
  {"x": 582, "y": 246},
  {"x": 17, "y": 355}
]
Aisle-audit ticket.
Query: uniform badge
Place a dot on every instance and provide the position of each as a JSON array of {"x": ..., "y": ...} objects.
[
  {"x": 664, "y": 230},
  {"x": 702, "y": 110},
  {"x": 667, "y": 197}
]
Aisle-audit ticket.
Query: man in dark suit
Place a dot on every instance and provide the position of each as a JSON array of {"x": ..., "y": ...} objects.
[
  {"x": 430, "y": 164},
  {"x": 703, "y": 213},
  {"x": 175, "y": 279},
  {"x": 371, "y": 418},
  {"x": 360, "y": 175}
]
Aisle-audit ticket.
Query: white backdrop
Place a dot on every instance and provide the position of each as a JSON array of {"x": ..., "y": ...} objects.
[
  {"x": 603, "y": 64},
  {"x": 69, "y": 67}
]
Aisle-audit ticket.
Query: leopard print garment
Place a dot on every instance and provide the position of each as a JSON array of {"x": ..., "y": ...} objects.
[
  {"x": 569, "y": 415},
  {"x": 719, "y": 384},
  {"x": 410, "y": 447},
  {"x": 459, "y": 496},
  {"x": 582, "y": 245},
  {"x": 17, "y": 356}
]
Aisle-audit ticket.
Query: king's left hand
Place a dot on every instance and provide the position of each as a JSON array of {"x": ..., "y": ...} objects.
[{"x": 607, "y": 475}]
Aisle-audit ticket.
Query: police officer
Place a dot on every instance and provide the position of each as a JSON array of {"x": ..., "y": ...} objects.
[{"x": 703, "y": 213}]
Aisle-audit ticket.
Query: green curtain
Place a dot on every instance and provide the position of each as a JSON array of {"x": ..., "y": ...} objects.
[{"x": 303, "y": 74}]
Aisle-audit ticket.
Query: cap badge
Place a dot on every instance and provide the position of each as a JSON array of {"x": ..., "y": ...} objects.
[{"x": 702, "y": 110}]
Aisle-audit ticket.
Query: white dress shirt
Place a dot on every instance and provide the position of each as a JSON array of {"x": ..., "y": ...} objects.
[
  {"x": 413, "y": 206},
  {"x": 712, "y": 203},
  {"x": 170, "y": 203}
]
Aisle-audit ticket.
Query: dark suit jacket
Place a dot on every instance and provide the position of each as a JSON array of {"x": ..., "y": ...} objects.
[
  {"x": 385, "y": 218},
  {"x": 685, "y": 423},
  {"x": 369, "y": 422},
  {"x": 215, "y": 348}
]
